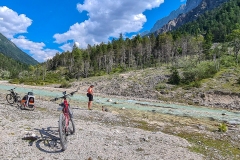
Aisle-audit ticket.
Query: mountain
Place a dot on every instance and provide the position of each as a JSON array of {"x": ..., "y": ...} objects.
[
  {"x": 205, "y": 5},
  {"x": 190, "y": 4},
  {"x": 9, "y": 49},
  {"x": 144, "y": 33}
]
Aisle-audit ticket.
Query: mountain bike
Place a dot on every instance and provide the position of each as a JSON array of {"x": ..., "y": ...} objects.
[
  {"x": 12, "y": 97},
  {"x": 65, "y": 124}
]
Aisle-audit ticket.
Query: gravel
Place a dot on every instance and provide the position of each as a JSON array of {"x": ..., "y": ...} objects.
[{"x": 99, "y": 136}]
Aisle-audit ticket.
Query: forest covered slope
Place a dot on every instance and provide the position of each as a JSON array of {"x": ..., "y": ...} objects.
[{"x": 10, "y": 50}]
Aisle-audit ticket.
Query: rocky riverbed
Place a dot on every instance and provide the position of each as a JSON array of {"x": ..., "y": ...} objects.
[
  {"x": 99, "y": 136},
  {"x": 117, "y": 134}
]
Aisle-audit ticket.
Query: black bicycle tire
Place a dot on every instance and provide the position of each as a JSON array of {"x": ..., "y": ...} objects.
[
  {"x": 72, "y": 130},
  {"x": 33, "y": 108},
  {"x": 22, "y": 107},
  {"x": 18, "y": 101},
  {"x": 62, "y": 132},
  {"x": 8, "y": 96}
]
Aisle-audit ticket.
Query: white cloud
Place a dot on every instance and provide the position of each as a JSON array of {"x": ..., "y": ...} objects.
[
  {"x": 12, "y": 24},
  {"x": 35, "y": 49},
  {"x": 67, "y": 47},
  {"x": 106, "y": 18}
]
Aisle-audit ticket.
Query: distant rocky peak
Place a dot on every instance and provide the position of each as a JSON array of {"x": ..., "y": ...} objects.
[
  {"x": 191, "y": 4},
  {"x": 184, "y": 8},
  {"x": 192, "y": 14}
]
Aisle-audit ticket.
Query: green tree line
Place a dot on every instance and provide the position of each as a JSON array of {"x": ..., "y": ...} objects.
[
  {"x": 210, "y": 42},
  {"x": 10, "y": 68}
]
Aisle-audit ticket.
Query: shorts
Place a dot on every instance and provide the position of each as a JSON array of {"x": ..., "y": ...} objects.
[{"x": 90, "y": 97}]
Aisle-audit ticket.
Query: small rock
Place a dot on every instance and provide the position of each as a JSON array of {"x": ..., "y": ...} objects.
[
  {"x": 109, "y": 100},
  {"x": 30, "y": 136},
  {"x": 104, "y": 109}
]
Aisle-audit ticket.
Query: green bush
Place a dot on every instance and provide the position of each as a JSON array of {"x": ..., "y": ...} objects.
[
  {"x": 196, "y": 84},
  {"x": 206, "y": 69},
  {"x": 222, "y": 127},
  {"x": 14, "y": 81},
  {"x": 189, "y": 76},
  {"x": 201, "y": 71},
  {"x": 100, "y": 73},
  {"x": 174, "y": 78},
  {"x": 238, "y": 80},
  {"x": 118, "y": 69},
  {"x": 160, "y": 86},
  {"x": 227, "y": 61},
  {"x": 65, "y": 84}
]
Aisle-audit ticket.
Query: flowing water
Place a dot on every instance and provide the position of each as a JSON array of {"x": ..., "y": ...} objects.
[{"x": 232, "y": 117}]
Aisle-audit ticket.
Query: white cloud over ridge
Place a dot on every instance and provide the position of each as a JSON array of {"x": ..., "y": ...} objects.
[
  {"x": 36, "y": 49},
  {"x": 12, "y": 24},
  {"x": 107, "y": 18}
]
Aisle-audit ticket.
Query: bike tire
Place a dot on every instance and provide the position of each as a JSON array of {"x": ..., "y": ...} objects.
[
  {"x": 18, "y": 100},
  {"x": 10, "y": 99},
  {"x": 22, "y": 107},
  {"x": 71, "y": 126},
  {"x": 32, "y": 109},
  {"x": 62, "y": 132}
]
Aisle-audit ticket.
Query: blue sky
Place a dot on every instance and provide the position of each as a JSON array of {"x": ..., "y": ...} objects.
[{"x": 42, "y": 28}]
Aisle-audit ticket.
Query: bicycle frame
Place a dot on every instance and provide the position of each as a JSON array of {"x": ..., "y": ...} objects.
[
  {"x": 65, "y": 112},
  {"x": 65, "y": 119},
  {"x": 12, "y": 97}
]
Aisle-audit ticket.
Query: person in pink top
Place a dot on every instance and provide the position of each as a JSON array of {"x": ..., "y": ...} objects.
[{"x": 90, "y": 96}]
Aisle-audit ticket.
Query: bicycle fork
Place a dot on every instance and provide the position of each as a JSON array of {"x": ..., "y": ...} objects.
[{"x": 66, "y": 123}]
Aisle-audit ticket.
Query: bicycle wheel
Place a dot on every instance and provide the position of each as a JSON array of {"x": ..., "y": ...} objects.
[
  {"x": 32, "y": 108},
  {"x": 18, "y": 100},
  {"x": 71, "y": 126},
  {"x": 10, "y": 98},
  {"x": 62, "y": 132},
  {"x": 22, "y": 107}
]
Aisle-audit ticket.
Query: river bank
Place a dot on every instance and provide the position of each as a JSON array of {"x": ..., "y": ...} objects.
[
  {"x": 99, "y": 135},
  {"x": 112, "y": 129}
]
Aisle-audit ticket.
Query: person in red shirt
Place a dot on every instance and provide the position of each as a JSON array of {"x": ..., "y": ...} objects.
[{"x": 90, "y": 96}]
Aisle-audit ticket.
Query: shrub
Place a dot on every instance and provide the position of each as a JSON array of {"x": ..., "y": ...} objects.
[
  {"x": 196, "y": 84},
  {"x": 14, "y": 81},
  {"x": 202, "y": 70},
  {"x": 189, "y": 76},
  {"x": 174, "y": 78},
  {"x": 227, "y": 61},
  {"x": 206, "y": 70},
  {"x": 65, "y": 84},
  {"x": 222, "y": 127},
  {"x": 238, "y": 80},
  {"x": 160, "y": 86},
  {"x": 118, "y": 69}
]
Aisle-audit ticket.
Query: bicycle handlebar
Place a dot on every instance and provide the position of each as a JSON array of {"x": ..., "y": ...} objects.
[
  {"x": 65, "y": 95},
  {"x": 12, "y": 89}
]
